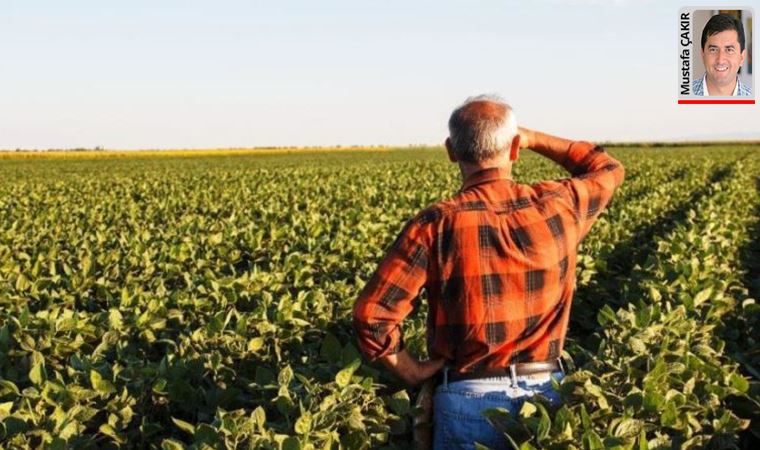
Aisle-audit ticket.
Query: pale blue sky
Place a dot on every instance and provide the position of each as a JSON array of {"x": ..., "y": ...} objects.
[{"x": 178, "y": 74}]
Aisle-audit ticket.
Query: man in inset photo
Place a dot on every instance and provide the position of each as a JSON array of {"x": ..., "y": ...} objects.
[{"x": 723, "y": 53}]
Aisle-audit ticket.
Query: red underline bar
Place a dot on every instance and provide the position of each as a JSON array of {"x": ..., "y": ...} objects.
[{"x": 716, "y": 102}]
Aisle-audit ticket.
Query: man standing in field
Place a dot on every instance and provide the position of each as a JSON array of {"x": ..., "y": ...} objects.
[{"x": 498, "y": 263}]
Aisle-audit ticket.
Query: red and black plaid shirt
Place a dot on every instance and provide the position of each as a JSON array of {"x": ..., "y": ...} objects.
[{"x": 498, "y": 264}]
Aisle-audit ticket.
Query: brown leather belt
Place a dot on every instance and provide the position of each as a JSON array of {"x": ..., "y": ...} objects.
[{"x": 514, "y": 370}]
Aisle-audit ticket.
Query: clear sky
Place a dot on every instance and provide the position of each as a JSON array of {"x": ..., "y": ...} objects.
[{"x": 180, "y": 74}]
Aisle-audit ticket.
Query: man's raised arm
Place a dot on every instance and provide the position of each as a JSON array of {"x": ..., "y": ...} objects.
[{"x": 596, "y": 174}]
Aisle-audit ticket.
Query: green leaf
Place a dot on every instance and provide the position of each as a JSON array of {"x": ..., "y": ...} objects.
[
  {"x": 216, "y": 324},
  {"x": 669, "y": 416},
  {"x": 38, "y": 374},
  {"x": 159, "y": 387},
  {"x": 70, "y": 430},
  {"x": 255, "y": 344},
  {"x": 8, "y": 387},
  {"x": 56, "y": 444},
  {"x": 349, "y": 354},
  {"x": 739, "y": 382},
  {"x": 355, "y": 419},
  {"x": 86, "y": 264},
  {"x": 205, "y": 433},
  {"x": 643, "y": 316},
  {"x": 343, "y": 378},
  {"x": 22, "y": 283},
  {"x": 259, "y": 417},
  {"x": 628, "y": 428},
  {"x": 291, "y": 443},
  {"x": 125, "y": 299},
  {"x": 653, "y": 401},
  {"x": 400, "y": 403},
  {"x": 592, "y": 441},
  {"x": 5, "y": 409},
  {"x": 184, "y": 426},
  {"x": 126, "y": 414},
  {"x": 606, "y": 316},
  {"x": 643, "y": 444},
  {"x": 285, "y": 376},
  {"x": 109, "y": 431},
  {"x": 285, "y": 405},
  {"x": 330, "y": 351},
  {"x": 634, "y": 400},
  {"x": 5, "y": 334},
  {"x": 303, "y": 424},
  {"x": 528, "y": 409},
  {"x": 100, "y": 384},
  {"x": 115, "y": 319},
  {"x": 702, "y": 296},
  {"x": 171, "y": 444},
  {"x": 585, "y": 419},
  {"x": 355, "y": 440},
  {"x": 544, "y": 423}
]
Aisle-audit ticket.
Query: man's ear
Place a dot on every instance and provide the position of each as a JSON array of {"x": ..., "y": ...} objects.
[
  {"x": 450, "y": 150},
  {"x": 744, "y": 56},
  {"x": 514, "y": 150}
]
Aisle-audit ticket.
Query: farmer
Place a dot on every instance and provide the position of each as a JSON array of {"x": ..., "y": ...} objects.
[
  {"x": 498, "y": 262},
  {"x": 723, "y": 53}
]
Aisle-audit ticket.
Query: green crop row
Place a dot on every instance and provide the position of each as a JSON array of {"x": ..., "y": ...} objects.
[
  {"x": 205, "y": 302},
  {"x": 626, "y": 230}
]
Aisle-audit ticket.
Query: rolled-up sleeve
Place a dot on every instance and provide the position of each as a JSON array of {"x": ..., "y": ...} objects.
[{"x": 388, "y": 296}]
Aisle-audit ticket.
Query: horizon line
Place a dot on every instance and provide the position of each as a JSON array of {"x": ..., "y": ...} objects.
[{"x": 675, "y": 142}]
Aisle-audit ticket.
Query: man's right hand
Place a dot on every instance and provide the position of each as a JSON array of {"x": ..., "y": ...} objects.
[
  {"x": 552, "y": 147},
  {"x": 526, "y": 137}
]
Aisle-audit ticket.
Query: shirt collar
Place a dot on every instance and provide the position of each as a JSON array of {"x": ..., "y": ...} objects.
[
  {"x": 486, "y": 176},
  {"x": 707, "y": 93}
]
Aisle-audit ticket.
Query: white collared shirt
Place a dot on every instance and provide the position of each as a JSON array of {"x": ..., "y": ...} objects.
[{"x": 706, "y": 92}]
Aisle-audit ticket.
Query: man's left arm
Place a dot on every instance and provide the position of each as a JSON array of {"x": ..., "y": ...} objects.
[{"x": 387, "y": 299}]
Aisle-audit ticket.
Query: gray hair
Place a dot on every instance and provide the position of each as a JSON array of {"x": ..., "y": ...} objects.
[{"x": 479, "y": 136}]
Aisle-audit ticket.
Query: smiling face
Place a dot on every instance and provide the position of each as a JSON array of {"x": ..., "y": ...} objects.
[{"x": 723, "y": 57}]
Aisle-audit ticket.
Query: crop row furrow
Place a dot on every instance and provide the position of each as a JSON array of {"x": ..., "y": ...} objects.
[{"x": 625, "y": 237}]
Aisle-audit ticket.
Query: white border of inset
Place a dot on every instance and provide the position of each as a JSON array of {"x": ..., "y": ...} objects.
[{"x": 725, "y": 99}]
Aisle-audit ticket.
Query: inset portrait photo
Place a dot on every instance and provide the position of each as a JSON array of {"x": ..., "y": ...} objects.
[{"x": 715, "y": 55}]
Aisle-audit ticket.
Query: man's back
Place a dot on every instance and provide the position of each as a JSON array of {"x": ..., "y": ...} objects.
[{"x": 498, "y": 264}]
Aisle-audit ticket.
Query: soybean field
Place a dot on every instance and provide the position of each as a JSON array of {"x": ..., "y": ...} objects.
[{"x": 203, "y": 301}]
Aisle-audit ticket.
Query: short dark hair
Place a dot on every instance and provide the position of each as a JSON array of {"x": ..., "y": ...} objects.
[{"x": 723, "y": 22}]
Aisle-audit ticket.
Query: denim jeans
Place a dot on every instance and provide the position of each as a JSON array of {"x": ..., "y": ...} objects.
[{"x": 458, "y": 422}]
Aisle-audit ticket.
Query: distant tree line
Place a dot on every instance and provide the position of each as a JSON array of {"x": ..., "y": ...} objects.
[{"x": 77, "y": 149}]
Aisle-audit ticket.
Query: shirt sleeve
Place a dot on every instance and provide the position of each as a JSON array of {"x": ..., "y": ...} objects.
[
  {"x": 387, "y": 298},
  {"x": 596, "y": 176}
]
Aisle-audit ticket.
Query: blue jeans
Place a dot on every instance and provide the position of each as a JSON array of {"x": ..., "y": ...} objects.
[{"x": 457, "y": 418}]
